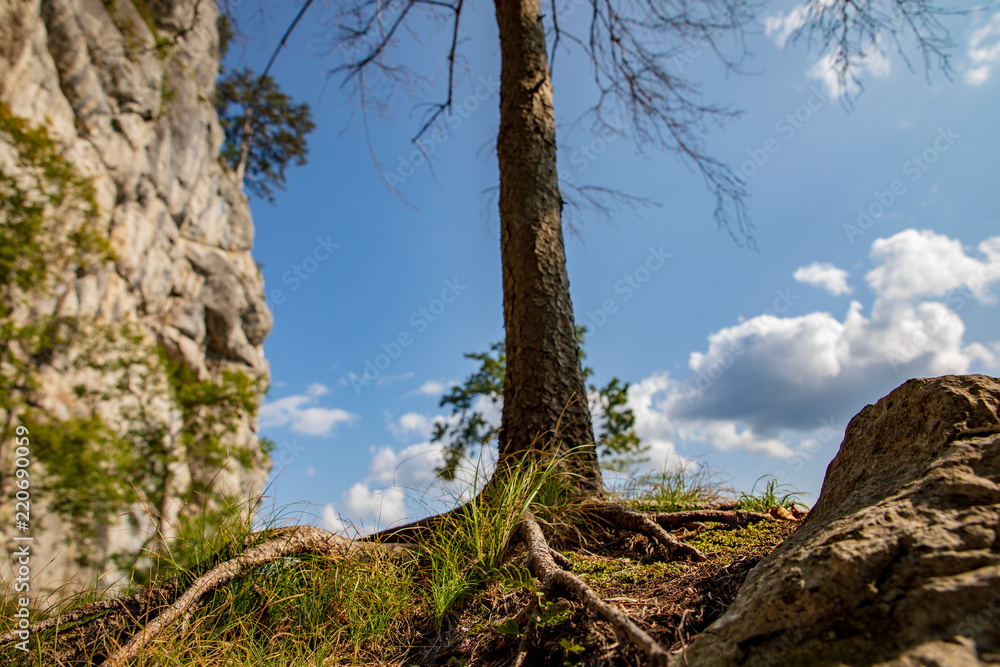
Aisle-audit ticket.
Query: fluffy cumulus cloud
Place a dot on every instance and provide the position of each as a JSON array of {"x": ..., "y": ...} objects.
[
  {"x": 923, "y": 263},
  {"x": 396, "y": 480},
  {"x": 300, "y": 414},
  {"x": 983, "y": 49},
  {"x": 767, "y": 383},
  {"x": 402, "y": 484},
  {"x": 826, "y": 276}
]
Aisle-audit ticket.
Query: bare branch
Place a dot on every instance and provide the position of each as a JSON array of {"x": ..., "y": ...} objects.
[{"x": 852, "y": 31}]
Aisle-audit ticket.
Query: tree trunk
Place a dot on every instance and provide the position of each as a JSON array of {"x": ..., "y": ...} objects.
[{"x": 544, "y": 391}]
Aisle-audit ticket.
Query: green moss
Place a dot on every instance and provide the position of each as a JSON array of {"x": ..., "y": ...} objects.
[
  {"x": 212, "y": 409},
  {"x": 147, "y": 13},
  {"x": 728, "y": 545},
  {"x": 32, "y": 239},
  {"x": 623, "y": 571}
]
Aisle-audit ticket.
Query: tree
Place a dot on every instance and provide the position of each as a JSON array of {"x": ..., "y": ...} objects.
[
  {"x": 544, "y": 393},
  {"x": 265, "y": 130},
  {"x": 618, "y": 446},
  {"x": 628, "y": 46}
]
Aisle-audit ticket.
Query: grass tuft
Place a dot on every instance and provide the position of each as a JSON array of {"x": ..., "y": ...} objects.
[{"x": 774, "y": 494}]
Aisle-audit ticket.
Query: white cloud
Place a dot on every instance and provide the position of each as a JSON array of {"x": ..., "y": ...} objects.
[
  {"x": 924, "y": 263},
  {"x": 413, "y": 423},
  {"x": 780, "y": 26},
  {"x": 983, "y": 49},
  {"x": 762, "y": 384},
  {"x": 827, "y": 276},
  {"x": 317, "y": 389},
  {"x": 403, "y": 485},
  {"x": 300, "y": 415},
  {"x": 432, "y": 388}
]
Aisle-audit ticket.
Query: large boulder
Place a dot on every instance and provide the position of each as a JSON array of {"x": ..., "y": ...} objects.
[{"x": 898, "y": 564}]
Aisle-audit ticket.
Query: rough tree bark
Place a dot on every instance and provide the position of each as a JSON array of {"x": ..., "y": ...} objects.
[{"x": 545, "y": 399}]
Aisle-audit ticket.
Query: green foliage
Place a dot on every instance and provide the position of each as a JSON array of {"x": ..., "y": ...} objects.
[
  {"x": 472, "y": 430},
  {"x": 226, "y": 34},
  {"x": 253, "y": 110},
  {"x": 35, "y": 244},
  {"x": 775, "y": 494},
  {"x": 93, "y": 473},
  {"x": 84, "y": 468},
  {"x": 212, "y": 409},
  {"x": 40, "y": 241},
  {"x": 674, "y": 489},
  {"x": 617, "y": 443}
]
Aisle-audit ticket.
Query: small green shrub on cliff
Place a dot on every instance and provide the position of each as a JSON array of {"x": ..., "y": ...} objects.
[{"x": 93, "y": 465}]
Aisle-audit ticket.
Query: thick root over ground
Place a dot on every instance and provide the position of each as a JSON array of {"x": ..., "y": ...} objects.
[{"x": 133, "y": 622}]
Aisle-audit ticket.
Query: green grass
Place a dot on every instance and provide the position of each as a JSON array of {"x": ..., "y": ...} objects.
[
  {"x": 774, "y": 494},
  {"x": 472, "y": 546},
  {"x": 372, "y": 609},
  {"x": 673, "y": 489}
]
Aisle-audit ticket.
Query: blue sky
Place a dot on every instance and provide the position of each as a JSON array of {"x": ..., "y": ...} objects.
[{"x": 878, "y": 259}]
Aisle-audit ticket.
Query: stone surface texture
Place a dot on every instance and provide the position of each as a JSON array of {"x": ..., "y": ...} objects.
[
  {"x": 140, "y": 122},
  {"x": 898, "y": 564}
]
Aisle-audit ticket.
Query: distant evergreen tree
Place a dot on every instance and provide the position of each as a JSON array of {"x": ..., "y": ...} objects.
[{"x": 265, "y": 130}]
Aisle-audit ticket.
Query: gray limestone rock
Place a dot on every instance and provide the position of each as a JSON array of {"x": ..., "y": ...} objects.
[
  {"x": 138, "y": 120},
  {"x": 898, "y": 564}
]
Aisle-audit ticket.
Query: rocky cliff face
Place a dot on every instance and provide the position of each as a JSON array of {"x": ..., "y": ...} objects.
[{"x": 124, "y": 90}]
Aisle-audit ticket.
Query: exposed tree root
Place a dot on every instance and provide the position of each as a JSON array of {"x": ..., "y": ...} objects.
[
  {"x": 551, "y": 568},
  {"x": 544, "y": 567},
  {"x": 644, "y": 524},
  {"x": 279, "y": 544},
  {"x": 731, "y": 518},
  {"x": 134, "y": 606}
]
